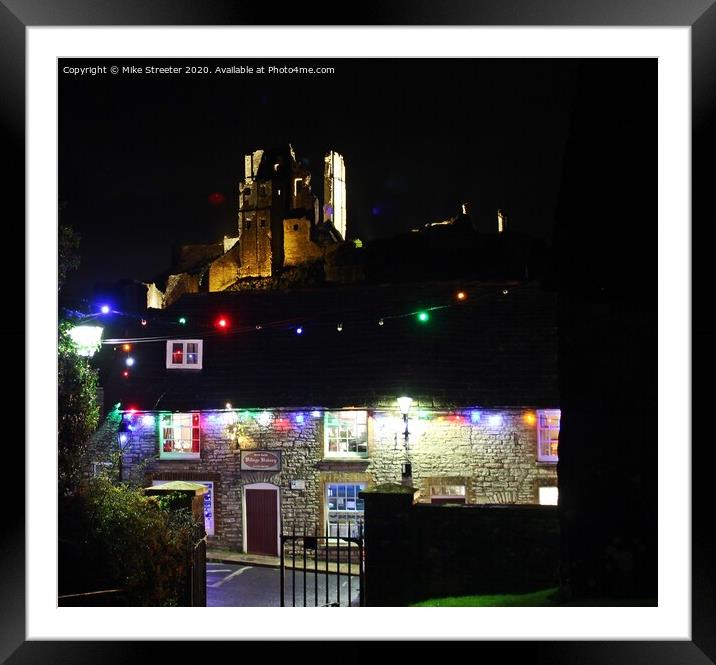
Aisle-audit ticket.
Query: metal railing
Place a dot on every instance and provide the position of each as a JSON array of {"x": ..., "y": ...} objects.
[{"x": 332, "y": 562}]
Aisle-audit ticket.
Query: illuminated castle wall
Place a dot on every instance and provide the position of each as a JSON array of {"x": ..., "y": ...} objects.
[
  {"x": 275, "y": 187},
  {"x": 334, "y": 191},
  {"x": 279, "y": 226},
  {"x": 275, "y": 197}
]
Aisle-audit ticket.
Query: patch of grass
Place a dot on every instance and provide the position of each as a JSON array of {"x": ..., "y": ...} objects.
[{"x": 543, "y": 598}]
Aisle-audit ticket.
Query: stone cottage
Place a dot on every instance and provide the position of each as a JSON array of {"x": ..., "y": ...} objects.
[{"x": 287, "y": 403}]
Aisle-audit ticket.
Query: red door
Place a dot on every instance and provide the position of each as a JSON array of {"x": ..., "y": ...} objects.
[{"x": 262, "y": 521}]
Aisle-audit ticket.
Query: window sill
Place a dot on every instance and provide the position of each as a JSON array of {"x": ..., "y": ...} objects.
[
  {"x": 547, "y": 462},
  {"x": 179, "y": 457},
  {"x": 343, "y": 464},
  {"x": 361, "y": 457}
]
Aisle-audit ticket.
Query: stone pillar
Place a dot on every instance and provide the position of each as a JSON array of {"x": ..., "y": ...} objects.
[{"x": 389, "y": 571}]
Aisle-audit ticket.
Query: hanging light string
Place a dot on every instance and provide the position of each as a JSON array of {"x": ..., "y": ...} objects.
[{"x": 296, "y": 323}]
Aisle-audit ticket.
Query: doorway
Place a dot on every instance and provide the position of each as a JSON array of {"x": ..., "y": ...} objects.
[{"x": 261, "y": 510}]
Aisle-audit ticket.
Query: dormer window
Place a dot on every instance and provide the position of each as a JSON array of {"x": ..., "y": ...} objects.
[{"x": 184, "y": 353}]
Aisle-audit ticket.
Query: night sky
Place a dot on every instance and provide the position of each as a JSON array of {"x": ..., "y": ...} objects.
[{"x": 141, "y": 155}]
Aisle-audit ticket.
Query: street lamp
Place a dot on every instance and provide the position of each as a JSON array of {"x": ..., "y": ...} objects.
[{"x": 405, "y": 403}]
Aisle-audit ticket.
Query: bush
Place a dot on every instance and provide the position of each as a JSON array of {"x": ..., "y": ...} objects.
[
  {"x": 144, "y": 544},
  {"x": 78, "y": 411}
]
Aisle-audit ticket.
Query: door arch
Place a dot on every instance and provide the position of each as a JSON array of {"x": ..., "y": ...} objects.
[{"x": 261, "y": 510}]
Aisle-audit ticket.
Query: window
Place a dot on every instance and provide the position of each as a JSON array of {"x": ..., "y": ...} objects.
[
  {"x": 179, "y": 436},
  {"x": 447, "y": 494},
  {"x": 547, "y": 435},
  {"x": 346, "y": 433},
  {"x": 247, "y": 224},
  {"x": 548, "y": 496},
  {"x": 184, "y": 353},
  {"x": 208, "y": 502},
  {"x": 344, "y": 509},
  {"x": 262, "y": 223}
]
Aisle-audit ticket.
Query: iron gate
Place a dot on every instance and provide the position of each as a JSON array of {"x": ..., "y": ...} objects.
[{"x": 323, "y": 571}]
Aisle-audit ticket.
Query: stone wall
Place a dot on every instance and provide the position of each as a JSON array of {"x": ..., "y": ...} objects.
[
  {"x": 495, "y": 463},
  {"x": 178, "y": 285},
  {"x": 418, "y": 552},
  {"x": 225, "y": 270},
  {"x": 255, "y": 228},
  {"x": 297, "y": 245},
  {"x": 155, "y": 298}
]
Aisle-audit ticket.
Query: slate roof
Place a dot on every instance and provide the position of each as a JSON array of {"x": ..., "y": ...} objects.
[{"x": 492, "y": 349}]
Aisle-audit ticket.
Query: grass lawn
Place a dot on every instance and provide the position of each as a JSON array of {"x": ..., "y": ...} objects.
[{"x": 544, "y": 598}]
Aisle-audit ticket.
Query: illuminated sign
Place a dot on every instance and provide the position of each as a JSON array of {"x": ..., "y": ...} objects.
[{"x": 260, "y": 460}]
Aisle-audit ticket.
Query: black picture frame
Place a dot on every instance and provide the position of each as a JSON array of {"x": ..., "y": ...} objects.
[{"x": 700, "y": 15}]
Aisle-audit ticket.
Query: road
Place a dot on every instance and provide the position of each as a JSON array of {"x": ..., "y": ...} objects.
[{"x": 237, "y": 585}]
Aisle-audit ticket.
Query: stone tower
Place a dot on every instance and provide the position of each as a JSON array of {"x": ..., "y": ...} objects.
[
  {"x": 275, "y": 187},
  {"x": 334, "y": 191}
]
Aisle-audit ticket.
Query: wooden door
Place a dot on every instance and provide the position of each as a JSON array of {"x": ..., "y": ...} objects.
[{"x": 262, "y": 521}]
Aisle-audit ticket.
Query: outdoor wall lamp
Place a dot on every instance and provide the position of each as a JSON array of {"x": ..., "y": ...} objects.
[
  {"x": 404, "y": 403},
  {"x": 407, "y": 468}
]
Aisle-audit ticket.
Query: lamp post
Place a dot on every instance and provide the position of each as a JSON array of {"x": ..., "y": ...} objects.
[{"x": 405, "y": 403}]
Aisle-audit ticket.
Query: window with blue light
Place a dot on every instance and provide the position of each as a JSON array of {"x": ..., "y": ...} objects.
[
  {"x": 184, "y": 353},
  {"x": 344, "y": 509}
]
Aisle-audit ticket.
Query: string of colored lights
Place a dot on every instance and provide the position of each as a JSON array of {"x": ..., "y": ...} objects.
[{"x": 222, "y": 326}]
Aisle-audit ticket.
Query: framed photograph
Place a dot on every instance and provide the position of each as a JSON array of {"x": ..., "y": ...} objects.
[{"x": 568, "y": 129}]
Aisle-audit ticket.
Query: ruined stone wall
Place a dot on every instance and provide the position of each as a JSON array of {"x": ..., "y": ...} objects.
[
  {"x": 178, "y": 285},
  {"x": 297, "y": 245},
  {"x": 155, "y": 298},
  {"x": 255, "y": 215},
  {"x": 229, "y": 242},
  {"x": 334, "y": 191},
  {"x": 496, "y": 464},
  {"x": 225, "y": 270}
]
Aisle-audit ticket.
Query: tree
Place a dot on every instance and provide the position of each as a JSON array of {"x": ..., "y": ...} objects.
[
  {"x": 78, "y": 411},
  {"x": 76, "y": 382},
  {"x": 68, "y": 243}
]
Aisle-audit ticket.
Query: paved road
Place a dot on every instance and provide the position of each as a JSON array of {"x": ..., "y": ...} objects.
[{"x": 236, "y": 585}]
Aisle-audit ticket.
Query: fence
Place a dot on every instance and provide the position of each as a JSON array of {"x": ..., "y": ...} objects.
[{"x": 323, "y": 570}]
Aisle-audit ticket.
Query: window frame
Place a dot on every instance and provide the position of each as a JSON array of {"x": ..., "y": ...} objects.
[
  {"x": 338, "y": 454},
  {"x": 180, "y": 454},
  {"x": 448, "y": 495},
  {"x": 184, "y": 365},
  {"x": 550, "y": 459},
  {"x": 360, "y": 486}
]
